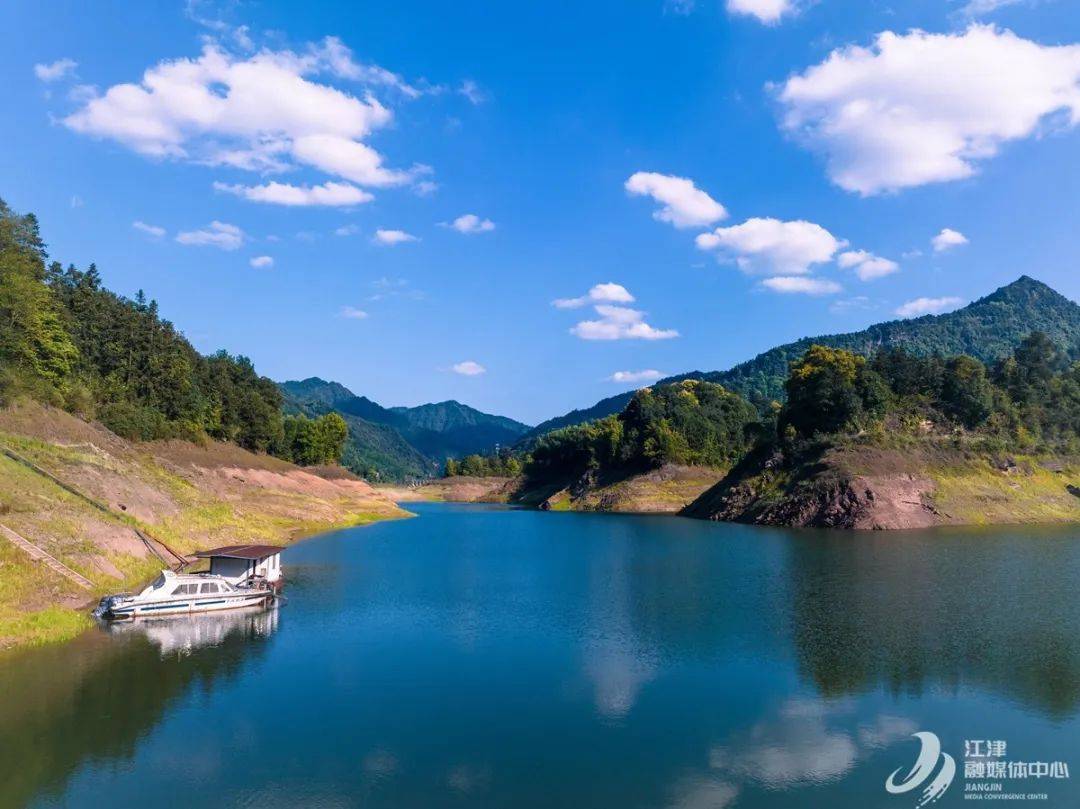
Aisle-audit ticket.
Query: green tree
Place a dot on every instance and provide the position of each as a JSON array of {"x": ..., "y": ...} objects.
[
  {"x": 966, "y": 393},
  {"x": 34, "y": 344},
  {"x": 831, "y": 390},
  {"x": 333, "y": 432}
]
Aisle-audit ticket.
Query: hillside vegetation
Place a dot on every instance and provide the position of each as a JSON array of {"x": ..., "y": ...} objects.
[
  {"x": 668, "y": 445},
  {"x": 903, "y": 441},
  {"x": 103, "y": 395},
  {"x": 68, "y": 341},
  {"x": 401, "y": 443},
  {"x": 891, "y": 441},
  {"x": 987, "y": 330},
  {"x": 188, "y": 496}
]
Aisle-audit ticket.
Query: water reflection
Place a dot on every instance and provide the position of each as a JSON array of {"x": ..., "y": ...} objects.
[
  {"x": 804, "y": 744},
  {"x": 991, "y": 610},
  {"x": 183, "y": 635},
  {"x": 480, "y": 657},
  {"x": 95, "y": 698}
]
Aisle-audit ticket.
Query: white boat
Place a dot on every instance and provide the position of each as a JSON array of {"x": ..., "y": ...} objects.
[{"x": 177, "y": 593}]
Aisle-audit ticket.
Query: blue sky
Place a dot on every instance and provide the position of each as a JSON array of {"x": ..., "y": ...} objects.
[{"x": 652, "y": 186}]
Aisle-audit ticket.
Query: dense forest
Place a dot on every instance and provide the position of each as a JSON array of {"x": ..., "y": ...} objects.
[
  {"x": 689, "y": 422},
  {"x": 1028, "y": 401},
  {"x": 67, "y": 340},
  {"x": 987, "y": 330}
]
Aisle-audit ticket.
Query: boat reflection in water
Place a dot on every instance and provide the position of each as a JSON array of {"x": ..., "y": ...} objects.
[
  {"x": 534, "y": 660},
  {"x": 185, "y": 634},
  {"x": 93, "y": 699}
]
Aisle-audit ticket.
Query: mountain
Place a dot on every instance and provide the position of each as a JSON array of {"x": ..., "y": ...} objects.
[
  {"x": 458, "y": 429},
  {"x": 374, "y": 447},
  {"x": 987, "y": 329},
  {"x": 401, "y": 443}
]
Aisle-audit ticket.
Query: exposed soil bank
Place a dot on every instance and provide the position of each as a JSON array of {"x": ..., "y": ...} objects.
[
  {"x": 659, "y": 491},
  {"x": 866, "y": 487},
  {"x": 190, "y": 497},
  {"x": 458, "y": 489}
]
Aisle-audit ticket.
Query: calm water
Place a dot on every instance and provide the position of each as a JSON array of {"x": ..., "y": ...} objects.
[{"x": 484, "y": 657}]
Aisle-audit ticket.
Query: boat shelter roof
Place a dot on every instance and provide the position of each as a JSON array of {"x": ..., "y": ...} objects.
[{"x": 241, "y": 552}]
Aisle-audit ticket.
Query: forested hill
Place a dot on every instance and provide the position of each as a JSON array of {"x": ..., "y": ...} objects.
[
  {"x": 402, "y": 442},
  {"x": 450, "y": 415},
  {"x": 988, "y": 329}
]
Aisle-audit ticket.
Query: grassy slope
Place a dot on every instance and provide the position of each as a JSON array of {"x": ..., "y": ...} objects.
[
  {"x": 458, "y": 489},
  {"x": 660, "y": 491},
  {"x": 972, "y": 487},
  {"x": 974, "y": 492},
  {"x": 955, "y": 485},
  {"x": 188, "y": 497}
]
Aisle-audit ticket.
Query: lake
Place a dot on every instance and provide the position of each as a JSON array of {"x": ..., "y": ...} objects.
[{"x": 488, "y": 657}]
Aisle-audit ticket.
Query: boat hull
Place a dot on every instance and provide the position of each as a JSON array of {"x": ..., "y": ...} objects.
[{"x": 182, "y": 606}]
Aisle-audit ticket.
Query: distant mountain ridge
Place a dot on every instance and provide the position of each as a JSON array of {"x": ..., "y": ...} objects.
[
  {"x": 400, "y": 443},
  {"x": 987, "y": 329}
]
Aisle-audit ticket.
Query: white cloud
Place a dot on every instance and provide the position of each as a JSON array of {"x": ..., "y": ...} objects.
[
  {"x": 76, "y": 201},
  {"x": 923, "y": 108},
  {"x": 347, "y": 230},
  {"x": 469, "y": 368},
  {"x": 338, "y": 60},
  {"x": 392, "y": 237},
  {"x": 216, "y": 234},
  {"x": 275, "y": 193},
  {"x": 859, "y": 302},
  {"x": 684, "y": 205},
  {"x": 948, "y": 239},
  {"x": 260, "y": 112},
  {"x": 150, "y": 230},
  {"x": 600, "y": 293},
  {"x": 633, "y": 377},
  {"x": 976, "y": 8},
  {"x": 471, "y": 223},
  {"x": 927, "y": 306},
  {"x": 262, "y": 262},
  {"x": 81, "y": 93},
  {"x": 772, "y": 247},
  {"x": 867, "y": 266},
  {"x": 425, "y": 188},
  {"x": 347, "y": 158},
  {"x": 620, "y": 323},
  {"x": 56, "y": 70},
  {"x": 394, "y": 288},
  {"x": 766, "y": 11},
  {"x": 471, "y": 90},
  {"x": 801, "y": 284},
  {"x": 352, "y": 313}
]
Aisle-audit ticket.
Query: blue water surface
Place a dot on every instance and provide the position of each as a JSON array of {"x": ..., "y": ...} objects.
[{"x": 480, "y": 656}]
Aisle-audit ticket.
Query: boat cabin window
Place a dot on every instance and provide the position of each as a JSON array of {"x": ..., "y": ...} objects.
[
  {"x": 185, "y": 589},
  {"x": 207, "y": 587},
  {"x": 159, "y": 581}
]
